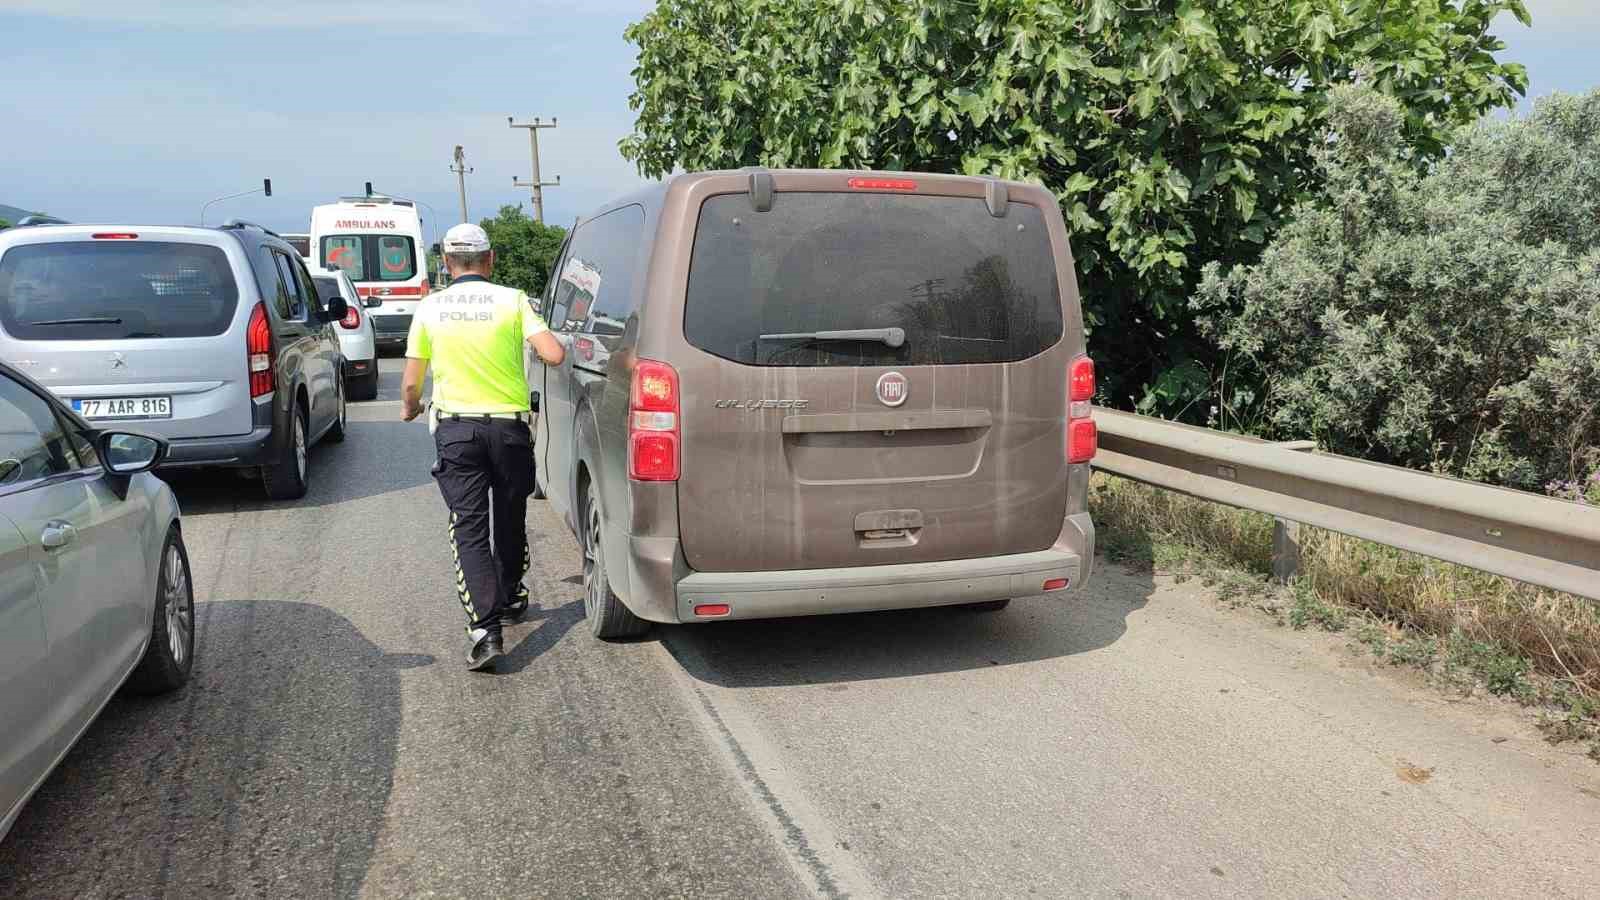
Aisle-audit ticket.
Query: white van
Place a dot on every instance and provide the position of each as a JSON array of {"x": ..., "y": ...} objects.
[{"x": 377, "y": 241}]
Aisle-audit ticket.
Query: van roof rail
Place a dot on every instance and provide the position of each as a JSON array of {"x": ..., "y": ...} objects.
[{"x": 233, "y": 224}]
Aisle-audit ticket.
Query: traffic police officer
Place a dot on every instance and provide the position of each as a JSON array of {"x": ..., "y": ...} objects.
[{"x": 472, "y": 334}]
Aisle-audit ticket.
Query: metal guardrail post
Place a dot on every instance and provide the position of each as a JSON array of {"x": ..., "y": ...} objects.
[
  {"x": 1286, "y": 533},
  {"x": 1285, "y": 550}
]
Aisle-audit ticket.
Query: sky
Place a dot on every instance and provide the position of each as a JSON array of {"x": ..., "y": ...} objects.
[{"x": 142, "y": 111}]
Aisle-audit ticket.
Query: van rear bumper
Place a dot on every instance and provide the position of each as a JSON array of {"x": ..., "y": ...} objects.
[
  {"x": 809, "y": 592},
  {"x": 252, "y": 449},
  {"x": 664, "y": 589}
]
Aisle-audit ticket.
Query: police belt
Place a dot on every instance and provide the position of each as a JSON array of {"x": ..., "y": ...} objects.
[{"x": 483, "y": 417}]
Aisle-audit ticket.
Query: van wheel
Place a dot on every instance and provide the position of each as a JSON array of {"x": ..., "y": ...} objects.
[
  {"x": 608, "y": 618},
  {"x": 170, "y": 656},
  {"x": 988, "y": 606},
  {"x": 286, "y": 479}
]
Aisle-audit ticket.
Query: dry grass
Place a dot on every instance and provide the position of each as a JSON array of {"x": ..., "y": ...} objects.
[
  {"x": 1541, "y": 647},
  {"x": 1558, "y": 633}
]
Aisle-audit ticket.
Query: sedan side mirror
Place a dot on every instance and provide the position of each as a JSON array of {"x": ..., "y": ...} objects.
[
  {"x": 336, "y": 308},
  {"x": 127, "y": 453}
]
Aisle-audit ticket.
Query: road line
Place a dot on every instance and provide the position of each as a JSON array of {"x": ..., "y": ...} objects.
[{"x": 812, "y": 849}]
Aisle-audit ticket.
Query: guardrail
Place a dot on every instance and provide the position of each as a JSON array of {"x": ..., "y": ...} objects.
[{"x": 1540, "y": 540}]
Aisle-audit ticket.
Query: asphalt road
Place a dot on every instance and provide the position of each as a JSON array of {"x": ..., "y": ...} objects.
[{"x": 1132, "y": 741}]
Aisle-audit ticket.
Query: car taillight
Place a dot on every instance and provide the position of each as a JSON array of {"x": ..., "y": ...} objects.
[
  {"x": 259, "y": 353},
  {"x": 352, "y": 317},
  {"x": 1083, "y": 439},
  {"x": 114, "y": 236},
  {"x": 653, "y": 410}
]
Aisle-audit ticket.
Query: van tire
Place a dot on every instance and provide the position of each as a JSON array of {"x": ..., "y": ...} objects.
[
  {"x": 286, "y": 478},
  {"x": 608, "y": 618},
  {"x": 988, "y": 606}
]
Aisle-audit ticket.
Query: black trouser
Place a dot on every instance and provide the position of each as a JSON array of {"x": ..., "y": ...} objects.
[{"x": 485, "y": 472}]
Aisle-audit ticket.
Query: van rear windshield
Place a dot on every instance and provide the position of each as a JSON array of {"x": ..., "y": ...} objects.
[
  {"x": 961, "y": 285},
  {"x": 115, "y": 290}
]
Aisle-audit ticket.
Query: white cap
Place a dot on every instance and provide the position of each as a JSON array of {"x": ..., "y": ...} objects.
[{"x": 465, "y": 238}]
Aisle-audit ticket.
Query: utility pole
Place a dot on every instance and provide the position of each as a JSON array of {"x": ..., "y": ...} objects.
[
  {"x": 537, "y": 185},
  {"x": 461, "y": 169}
]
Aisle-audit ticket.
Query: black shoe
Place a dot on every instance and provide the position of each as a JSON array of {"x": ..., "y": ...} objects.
[
  {"x": 512, "y": 613},
  {"x": 483, "y": 648}
]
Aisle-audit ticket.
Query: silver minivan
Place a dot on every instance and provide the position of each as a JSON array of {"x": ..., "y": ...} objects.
[{"x": 214, "y": 339}]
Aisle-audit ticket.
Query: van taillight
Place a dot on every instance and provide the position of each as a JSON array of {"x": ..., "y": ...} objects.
[
  {"x": 653, "y": 410},
  {"x": 259, "y": 353},
  {"x": 1083, "y": 439},
  {"x": 882, "y": 184},
  {"x": 1082, "y": 378}
]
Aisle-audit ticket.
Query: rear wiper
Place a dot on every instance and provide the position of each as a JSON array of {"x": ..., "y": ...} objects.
[
  {"x": 893, "y": 337},
  {"x": 86, "y": 320}
]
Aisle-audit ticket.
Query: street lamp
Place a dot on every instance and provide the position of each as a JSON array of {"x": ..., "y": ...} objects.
[{"x": 266, "y": 189}]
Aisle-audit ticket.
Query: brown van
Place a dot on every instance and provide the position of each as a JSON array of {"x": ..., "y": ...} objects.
[{"x": 798, "y": 392}]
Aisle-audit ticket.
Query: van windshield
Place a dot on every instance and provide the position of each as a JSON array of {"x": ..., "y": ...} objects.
[
  {"x": 834, "y": 279},
  {"x": 115, "y": 290},
  {"x": 371, "y": 257}
]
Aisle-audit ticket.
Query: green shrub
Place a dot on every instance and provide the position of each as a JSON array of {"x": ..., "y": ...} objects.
[{"x": 1443, "y": 317}]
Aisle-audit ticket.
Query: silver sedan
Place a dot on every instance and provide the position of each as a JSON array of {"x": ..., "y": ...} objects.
[{"x": 95, "y": 593}]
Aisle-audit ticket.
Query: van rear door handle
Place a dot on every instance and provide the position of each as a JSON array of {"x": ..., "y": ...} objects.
[{"x": 57, "y": 535}]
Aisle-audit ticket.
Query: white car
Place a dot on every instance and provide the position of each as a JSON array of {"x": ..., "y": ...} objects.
[{"x": 357, "y": 338}]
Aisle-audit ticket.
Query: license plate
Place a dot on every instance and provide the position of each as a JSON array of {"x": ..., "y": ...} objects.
[{"x": 124, "y": 408}]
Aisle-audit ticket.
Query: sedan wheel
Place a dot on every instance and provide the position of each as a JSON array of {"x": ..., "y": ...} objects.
[
  {"x": 169, "y": 657},
  {"x": 300, "y": 447},
  {"x": 592, "y": 564},
  {"x": 337, "y": 433},
  {"x": 179, "y": 603}
]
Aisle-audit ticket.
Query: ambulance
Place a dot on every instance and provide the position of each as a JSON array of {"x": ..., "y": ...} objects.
[{"x": 377, "y": 241}]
